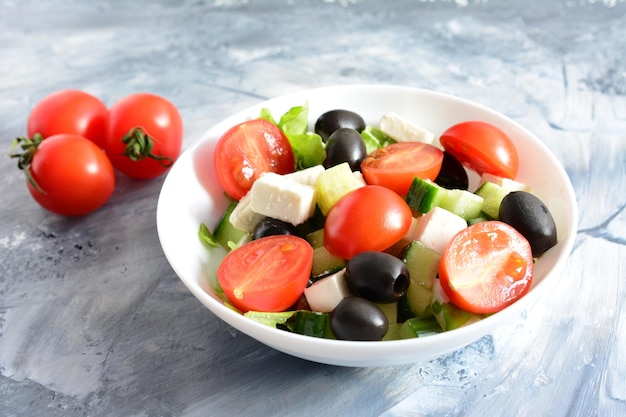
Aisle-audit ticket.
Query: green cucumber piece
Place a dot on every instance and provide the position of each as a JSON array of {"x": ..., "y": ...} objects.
[
  {"x": 448, "y": 315},
  {"x": 462, "y": 203},
  {"x": 419, "y": 327},
  {"x": 334, "y": 183},
  {"x": 225, "y": 232},
  {"x": 423, "y": 265},
  {"x": 271, "y": 319},
  {"x": 423, "y": 195},
  {"x": 310, "y": 323},
  {"x": 325, "y": 263},
  {"x": 316, "y": 238},
  {"x": 492, "y": 194}
]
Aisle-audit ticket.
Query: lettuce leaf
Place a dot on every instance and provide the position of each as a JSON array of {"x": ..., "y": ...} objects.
[{"x": 308, "y": 147}]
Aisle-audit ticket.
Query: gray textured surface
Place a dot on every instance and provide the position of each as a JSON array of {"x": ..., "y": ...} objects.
[{"x": 93, "y": 321}]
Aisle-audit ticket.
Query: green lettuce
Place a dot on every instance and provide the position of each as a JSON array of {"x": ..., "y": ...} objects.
[{"x": 308, "y": 147}]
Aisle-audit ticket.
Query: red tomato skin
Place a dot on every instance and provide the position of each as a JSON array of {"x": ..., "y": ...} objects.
[
  {"x": 159, "y": 119},
  {"x": 267, "y": 274},
  {"x": 247, "y": 150},
  {"x": 75, "y": 175},
  {"x": 395, "y": 166},
  {"x": 71, "y": 112},
  {"x": 370, "y": 218},
  {"x": 499, "y": 280},
  {"x": 482, "y": 147}
]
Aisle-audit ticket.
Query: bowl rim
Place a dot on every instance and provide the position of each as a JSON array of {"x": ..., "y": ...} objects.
[{"x": 359, "y": 353}]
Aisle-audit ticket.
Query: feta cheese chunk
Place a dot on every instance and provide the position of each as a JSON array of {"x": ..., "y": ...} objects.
[
  {"x": 282, "y": 198},
  {"x": 401, "y": 129},
  {"x": 325, "y": 294},
  {"x": 307, "y": 176},
  {"x": 243, "y": 217},
  {"x": 437, "y": 227}
]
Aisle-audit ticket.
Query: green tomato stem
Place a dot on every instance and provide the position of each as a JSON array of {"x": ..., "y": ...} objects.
[{"x": 139, "y": 145}]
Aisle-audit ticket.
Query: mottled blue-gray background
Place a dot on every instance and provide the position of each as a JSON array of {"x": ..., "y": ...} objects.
[{"x": 94, "y": 322}]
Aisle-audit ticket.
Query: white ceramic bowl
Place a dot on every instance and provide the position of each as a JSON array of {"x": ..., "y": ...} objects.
[{"x": 191, "y": 195}]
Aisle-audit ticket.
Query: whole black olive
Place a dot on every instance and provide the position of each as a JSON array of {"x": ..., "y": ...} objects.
[
  {"x": 529, "y": 216},
  {"x": 356, "y": 318},
  {"x": 452, "y": 174},
  {"x": 377, "y": 276},
  {"x": 345, "y": 145},
  {"x": 269, "y": 226},
  {"x": 332, "y": 120}
]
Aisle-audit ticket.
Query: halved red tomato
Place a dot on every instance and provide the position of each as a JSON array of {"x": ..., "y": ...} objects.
[
  {"x": 370, "y": 218},
  {"x": 486, "y": 267},
  {"x": 394, "y": 166},
  {"x": 246, "y": 151},
  {"x": 267, "y": 274},
  {"x": 482, "y": 147}
]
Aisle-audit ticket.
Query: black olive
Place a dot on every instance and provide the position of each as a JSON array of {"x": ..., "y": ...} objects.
[
  {"x": 452, "y": 174},
  {"x": 345, "y": 145},
  {"x": 377, "y": 276},
  {"x": 332, "y": 120},
  {"x": 356, "y": 318},
  {"x": 529, "y": 216},
  {"x": 269, "y": 226}
]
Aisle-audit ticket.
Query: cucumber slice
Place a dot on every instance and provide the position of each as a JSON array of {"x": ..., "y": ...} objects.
[
  {"x": 333, "y": 184},
  {"x": 316, "y": 238},
  {"x": 423, "y": 195},
  {"x": 419, "y": 327},
  {"x": 423, "y": 265},
  {"x": 270, "y": 318},
  {"x": 462, "y": 203},
  {"x": 448, "y": 315},
  {"x": 492, "y": 194},
  {"x": 325, "y": 263},
  {"x": 225, "y": 231},
  {"x": 310, "y": 323}
]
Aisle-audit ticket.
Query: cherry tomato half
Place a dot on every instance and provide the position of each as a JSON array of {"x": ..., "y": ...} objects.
[
  {"x": 486, "y": 267},
  {"x": 370, "y": 218},
  {"x": 73, "y": 175},
  {"x": 394, "y": 166},
  {"x": 246, "y": 151},
  {"x": 145, "y": 135},
  {"x": 482, "y": 147},
  {"x": 267, "y": 274},
  {"x": 71, "y": 112}
]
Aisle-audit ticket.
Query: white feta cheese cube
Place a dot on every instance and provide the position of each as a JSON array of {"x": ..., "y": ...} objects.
[
  {"x": 307, "y": 176},
  {"x": 282, "y": 198},
  {"x": 401, "y": 129},
  {"x": 325, "y": 294},
  {"x": 243, "y": 217},
  {"x": 437, "y": 227}
]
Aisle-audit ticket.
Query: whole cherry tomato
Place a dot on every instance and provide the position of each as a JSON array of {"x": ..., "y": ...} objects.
[
  {"x": 370, "y": 218},
  {"x": 144, "y": 135},
  {"x": 71, "y": 112},
  {"x": 66, "y": 174}
]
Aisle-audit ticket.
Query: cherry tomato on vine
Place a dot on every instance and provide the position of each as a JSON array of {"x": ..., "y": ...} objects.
[
  {"x": 267, "y": 274},
  {"x": 370, "y": 218},
  {"x": 66, "y": 174},
  {"x": 144, "y": 135},
  {"x": 486, "y": 267},
  {"x": 482, "y": 147},
  {"x": 247, "y": 150},
  {"x": 394, "y": 166},
  {"x": 71, "y": 112}
]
